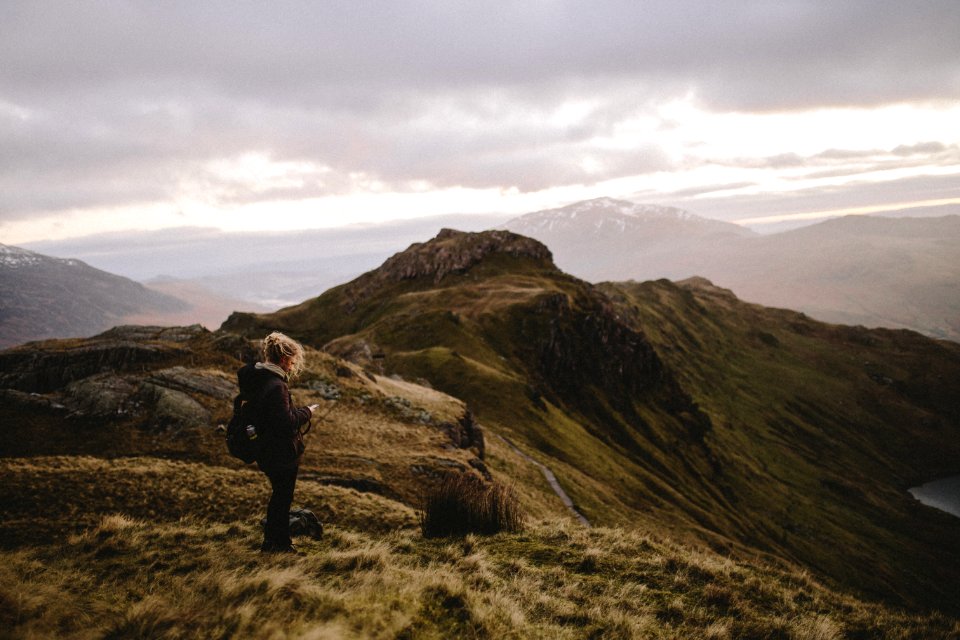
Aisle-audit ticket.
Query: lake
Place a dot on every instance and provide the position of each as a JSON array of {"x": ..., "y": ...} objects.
[{"x": 941, "y": 494}]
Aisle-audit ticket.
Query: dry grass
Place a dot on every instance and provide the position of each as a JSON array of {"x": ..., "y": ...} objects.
[
  {"x": 44, "y": 498},
  {"x": 126, "y": 577},
  {"x": 462, "y": 503}
]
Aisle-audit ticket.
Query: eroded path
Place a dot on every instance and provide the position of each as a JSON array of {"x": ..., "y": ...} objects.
[{"x": 551, "y": 480}]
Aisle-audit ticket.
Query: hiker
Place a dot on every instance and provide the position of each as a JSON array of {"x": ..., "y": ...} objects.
[{"x": 264, "y": 386}]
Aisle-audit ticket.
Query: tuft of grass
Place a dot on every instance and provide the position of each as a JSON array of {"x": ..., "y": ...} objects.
[{"x": 463, "y": 503}]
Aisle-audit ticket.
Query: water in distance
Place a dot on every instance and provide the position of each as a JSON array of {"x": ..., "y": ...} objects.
[{"x": 941, "y": 494}]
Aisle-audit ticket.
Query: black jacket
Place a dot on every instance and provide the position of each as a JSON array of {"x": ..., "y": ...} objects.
[{"x": 271, "y": 409}]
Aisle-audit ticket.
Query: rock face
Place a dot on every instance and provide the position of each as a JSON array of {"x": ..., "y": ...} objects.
[
  {"x": 173, "y": 408},
  {"x": 449, "y": 252},
  {"x": 119, "y": 375},
  {"x": 44, "y": 367},
  {"x": 466, "y": 434},
  {"x": 456, "y": 251}
]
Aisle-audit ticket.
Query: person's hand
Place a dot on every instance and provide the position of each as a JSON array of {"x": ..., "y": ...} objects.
[{"x": 313, "y": 408}]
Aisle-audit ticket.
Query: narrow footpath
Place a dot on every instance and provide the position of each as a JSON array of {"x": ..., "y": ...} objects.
[{"x": 551, "y": 479}]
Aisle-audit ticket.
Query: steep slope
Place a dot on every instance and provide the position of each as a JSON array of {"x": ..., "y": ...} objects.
[
  {"x": 552, "y": 363},
  {"x": 540, "y": 355},
  {"x": 44, "y": 297},
  {"x": 820, "y": 427},
  {"x": 875, "y": 271}
]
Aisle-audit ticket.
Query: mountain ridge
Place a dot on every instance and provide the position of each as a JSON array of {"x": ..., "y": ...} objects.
[
  {"x": 870, "y": 270},
  {"x": 608, "y": 384}
]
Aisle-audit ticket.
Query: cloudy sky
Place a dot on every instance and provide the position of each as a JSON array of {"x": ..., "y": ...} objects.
[{"x": 287, "y": 115}]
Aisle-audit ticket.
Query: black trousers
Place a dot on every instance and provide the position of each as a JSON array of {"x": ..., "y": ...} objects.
[{"x": 282, "y": 482}]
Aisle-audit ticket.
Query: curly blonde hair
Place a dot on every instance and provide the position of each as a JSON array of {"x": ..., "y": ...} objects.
[{"x": 277, "y": 345}]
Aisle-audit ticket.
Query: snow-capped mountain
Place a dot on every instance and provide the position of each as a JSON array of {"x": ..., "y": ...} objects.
[
  {"x": 16, "y": 258},
  {"x": 609, "y": 239},
  {"x": 603, "y": 216},
  {"x": 44, "y": 297}
]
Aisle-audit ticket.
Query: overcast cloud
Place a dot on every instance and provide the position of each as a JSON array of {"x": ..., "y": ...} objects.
[{"x": 110, "y": 104}]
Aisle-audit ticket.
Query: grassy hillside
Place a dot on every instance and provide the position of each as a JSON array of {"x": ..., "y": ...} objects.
[
  {"x": 820, "y": 427},
  {"x": 541, "y": 358},
  {"x": 187, "y": 572},
  {"x": 121, "y": 516},
  {"x": 677, "y": 410}
]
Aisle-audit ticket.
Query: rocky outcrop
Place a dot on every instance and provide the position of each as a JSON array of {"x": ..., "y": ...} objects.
[
  {"x": 46, "y": 366},
  {"x": 358, "y": 351},
  {"x": 456, "y": 251},
  {"x": 577, "y": 343},
  {"x": 580, "y": 354},
  {"x": 120, "y": 375},
  {"x": 173, "y": 408},
  {"x": 102, "y": 396},
  {"x": 466, "y": 434},
  {"x": 193, "y": 381},
  {"x": 449, "y": 252}
]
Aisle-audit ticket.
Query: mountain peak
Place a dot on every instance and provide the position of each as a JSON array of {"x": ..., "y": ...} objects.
[
  {"x": 600, "y": 216},
  {"x": 453, "y": 251},
  {"x": 16, "y": 257}
]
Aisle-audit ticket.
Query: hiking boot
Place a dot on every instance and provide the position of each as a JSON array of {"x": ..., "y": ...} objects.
[{"x": 269, "y": 547}]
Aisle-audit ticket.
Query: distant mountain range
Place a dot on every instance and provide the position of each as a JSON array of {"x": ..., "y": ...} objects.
[
  {"x": 272, "y": 269},
  {"x": 44, "y": 297},
  {"x": 875, "y": 271}
]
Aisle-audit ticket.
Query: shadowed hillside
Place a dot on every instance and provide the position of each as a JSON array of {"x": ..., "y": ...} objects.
[
  {"x": 820, "y": 427},
  {"x": 666, "y": 407},
  {"x": 45, "y": 297}
]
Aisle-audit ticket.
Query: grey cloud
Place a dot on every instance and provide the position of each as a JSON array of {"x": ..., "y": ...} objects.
[
  {"x": 846, "y": 154},
  {"x": 128, "y": 97},
  {"x": 745, "y": 54},
  {"x": 699, "y": 191},
  {"x": 857, "y": 194},
  {"x": 922, "y": 154},
  {"x": 922, "y": 148}
]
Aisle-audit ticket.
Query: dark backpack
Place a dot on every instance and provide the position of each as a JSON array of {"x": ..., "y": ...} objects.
[{"x": 243, "y": 439}]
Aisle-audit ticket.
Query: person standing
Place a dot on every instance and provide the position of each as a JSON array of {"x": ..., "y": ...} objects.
[{"x": 263, "y": 385}]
